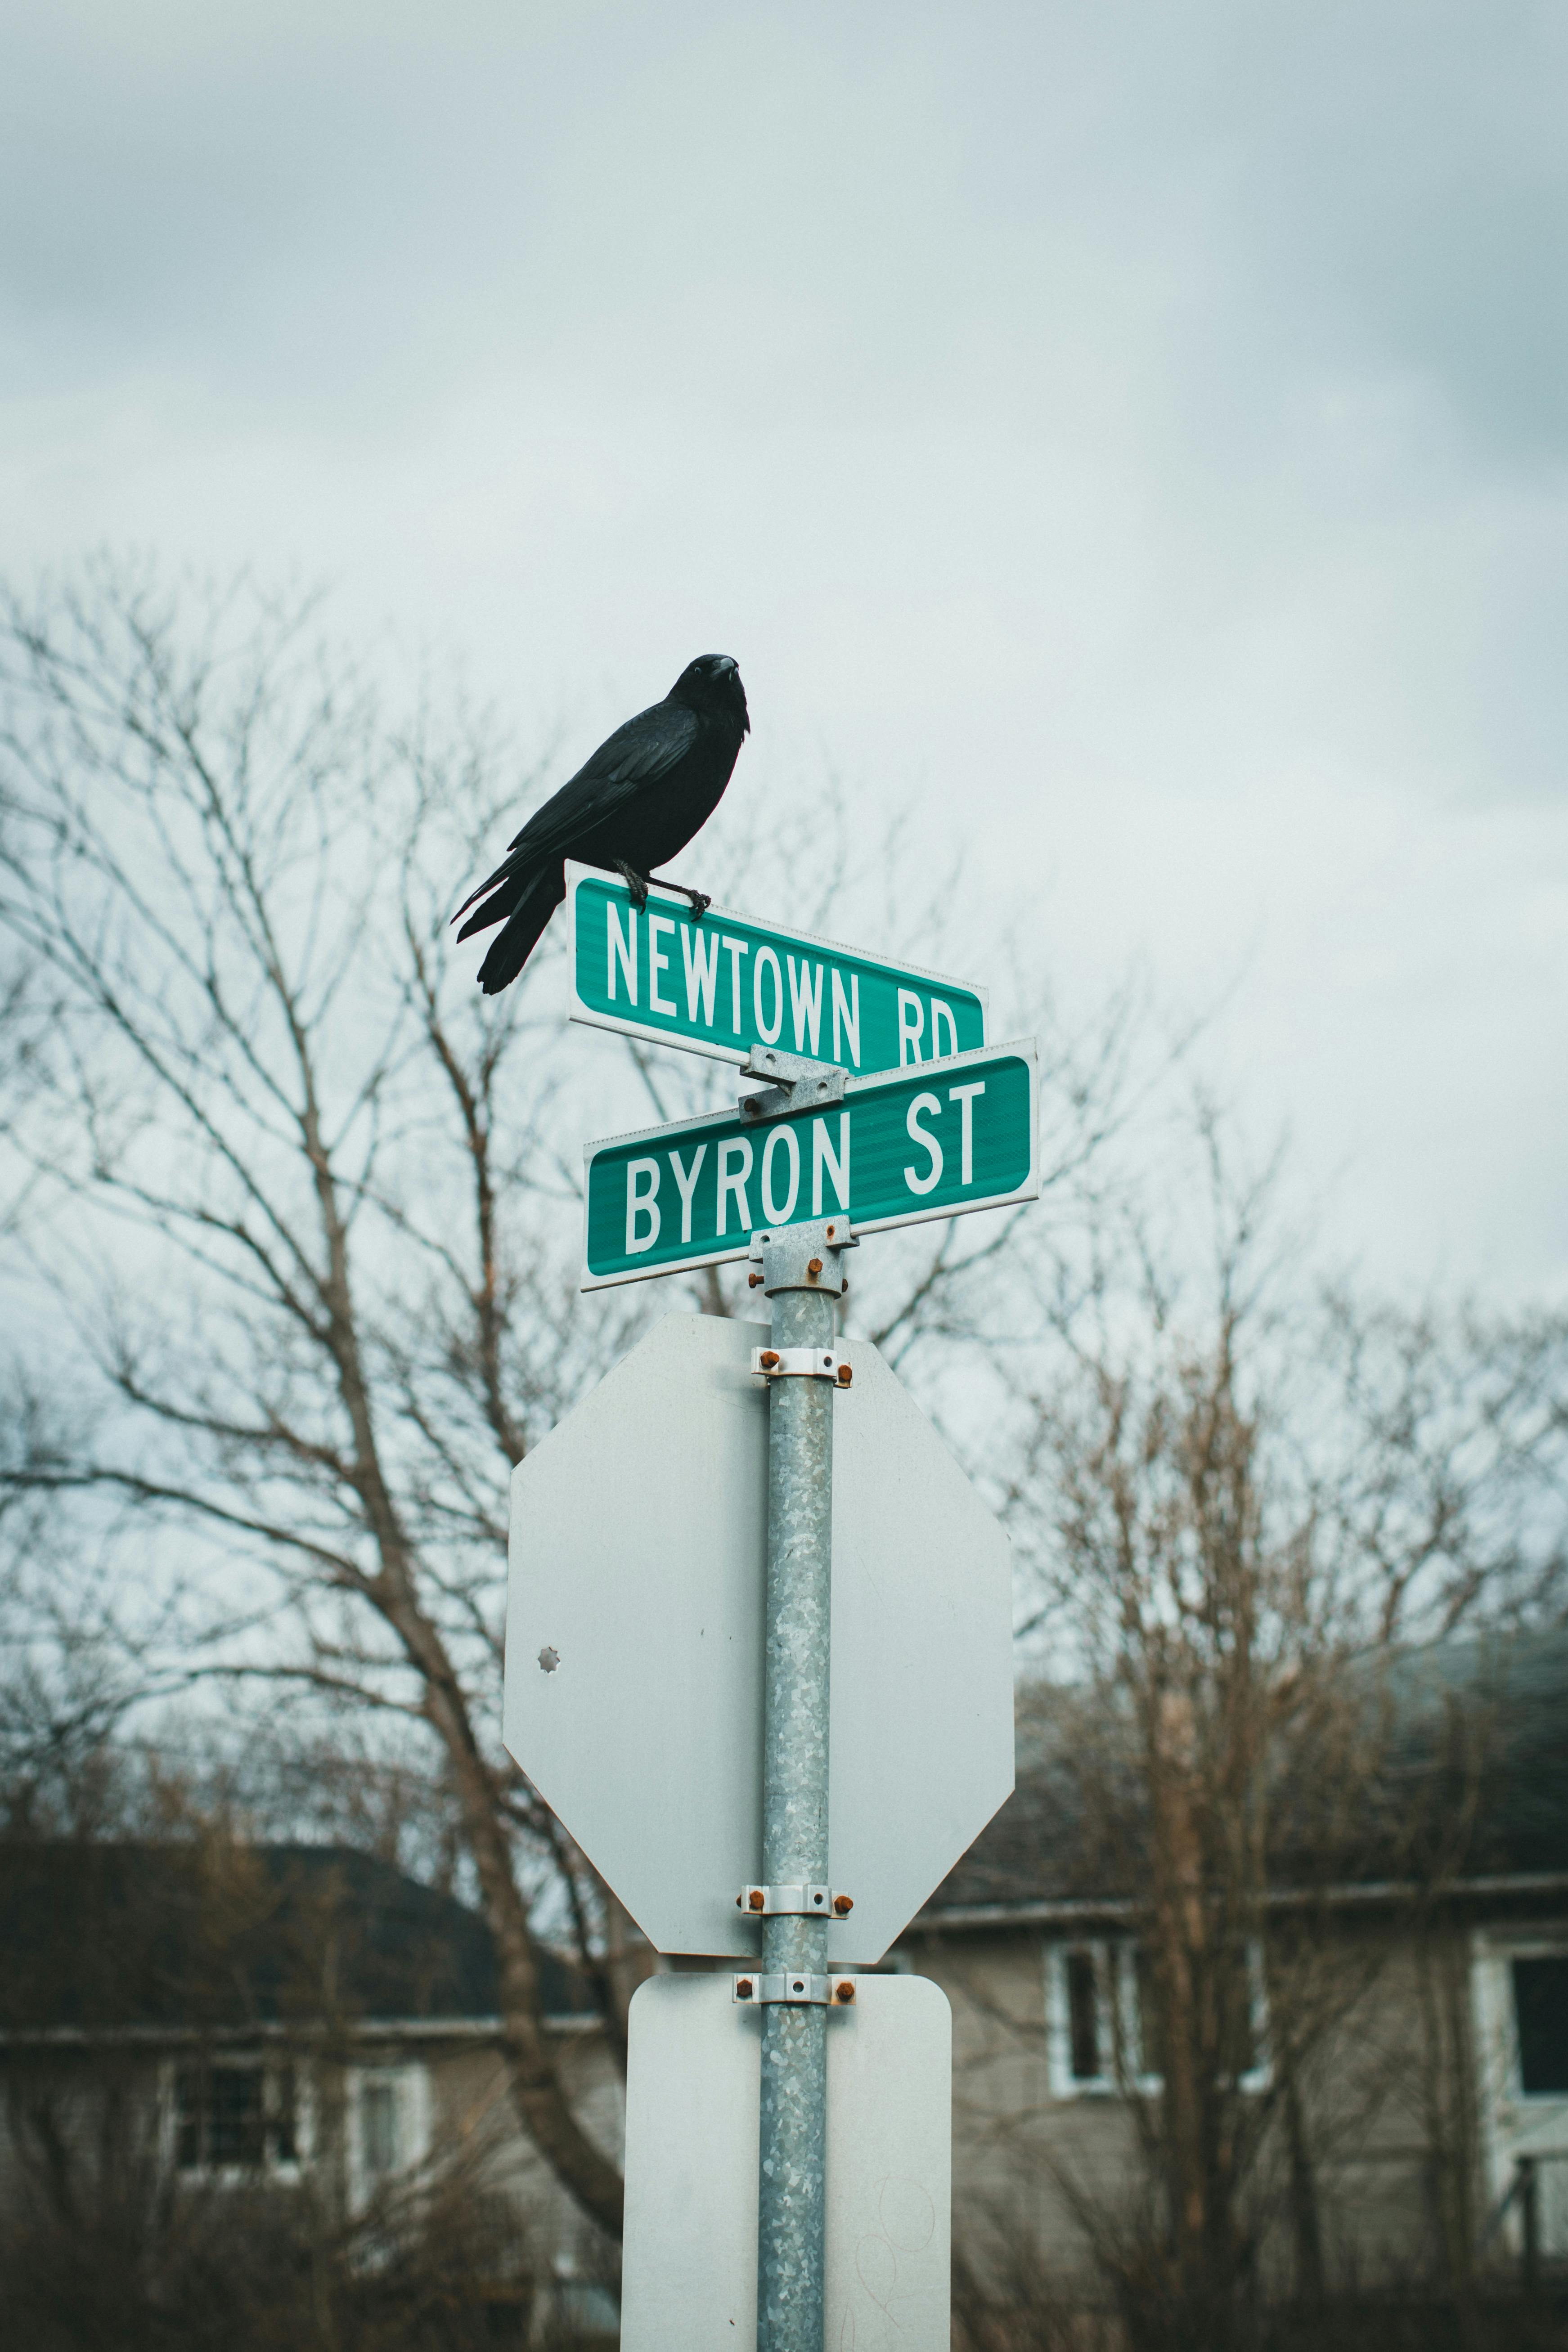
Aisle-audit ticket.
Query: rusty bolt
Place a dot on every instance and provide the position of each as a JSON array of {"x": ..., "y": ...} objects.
[
  {"x": 768, "y": 1359},
  {"x": 753, "y": 1280},
  {"x": 843, "y": 1905},
  {"x": 846, "y": 1375},
  {"x": 744, "y": 1987},
  {"x": 844, "y": 1282},
  {"x": 845, "y": 1990},
  {"x": 814, "y": 1267},
  {"x": 757, "y": 1898},
  {"x": 831, "y": 1231}
]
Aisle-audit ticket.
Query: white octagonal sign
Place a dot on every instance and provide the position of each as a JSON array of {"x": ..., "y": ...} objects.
[{"x": 634, "y": 1660}]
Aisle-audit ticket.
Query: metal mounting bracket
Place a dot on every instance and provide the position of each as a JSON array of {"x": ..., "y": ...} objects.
[
  {"x": 794, "y": 1902},
  {"x": 803, "y": 1364},
  {"x": 800, "y": 1085},
  {"x": 784, "y": 1985},
  {"x": 802, "y": 1257}
]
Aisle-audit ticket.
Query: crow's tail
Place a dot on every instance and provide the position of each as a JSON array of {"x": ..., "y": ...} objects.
[{"x": 534, "y": 906}]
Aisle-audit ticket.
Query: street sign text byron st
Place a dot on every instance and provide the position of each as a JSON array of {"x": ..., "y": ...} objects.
[{"x": 901, "y": 1147}]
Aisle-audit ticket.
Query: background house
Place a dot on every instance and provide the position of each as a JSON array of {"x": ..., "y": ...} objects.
[
  {"x": 190, "y": 2031},
  {"x": 1401, "y": 2053}
]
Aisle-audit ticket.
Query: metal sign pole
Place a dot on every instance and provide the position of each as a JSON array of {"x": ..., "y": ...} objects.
[{"x": 802, "y": 1277}]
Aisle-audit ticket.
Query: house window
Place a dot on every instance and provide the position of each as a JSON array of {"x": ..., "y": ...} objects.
[
  {"x": 584, "y": 2307},
  {"x": 380, "y": 2152},
  {"x": 390, "y": 2123},
  {"x": 1090, "y": 2010},
  {"x": 1541, "y": 2024},
  {"x": 1084, "y": 1970},
  {"x": 1103, "y": 2020},
  {"x": 235, "y": 2114},
  {"x": 1519, "y": 1989}
]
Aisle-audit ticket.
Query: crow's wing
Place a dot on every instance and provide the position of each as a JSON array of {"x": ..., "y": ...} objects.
[
  {"x": 646, "y": 748},
  {"x": 639, "y": 754}
]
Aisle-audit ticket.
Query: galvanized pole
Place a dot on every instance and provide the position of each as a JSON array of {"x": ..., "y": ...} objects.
[{"x": 802, "y": 1276}]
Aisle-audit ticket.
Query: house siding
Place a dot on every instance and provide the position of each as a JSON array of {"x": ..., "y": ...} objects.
[{"x": 1394, "y": 2106}]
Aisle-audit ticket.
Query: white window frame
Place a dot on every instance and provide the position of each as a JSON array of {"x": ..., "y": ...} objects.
[
  {"x": 588, "y": 2304},
  {"x": 1514, "y": 2122},
  {"x": 1494, "y": 1972},
  {"x": 410, "y": 2083},
  {"x": 1115, "y": 1960},
  {"x": 270, "y": 2065}
]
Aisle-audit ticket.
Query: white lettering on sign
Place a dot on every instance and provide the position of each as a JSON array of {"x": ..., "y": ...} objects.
[
  {"x": 686, "y": 1185},
  {"x": 911, "y": 1022},
  {"x": 939, "y": 1013},
  {"x": 656, "y": 962},
  {"x": 965, "y": 1098},
  {"x": 700, "y": 949},
  {"x": 776, "y": 1212},
  {"x": 641, "y": 1203},
  {"x": 765, "y": 956},
  {"x": 736, "y": 1153},
  {"x": 806, "y": 1005},
  {"x": 849, "y": 1012},
  {"x": 627, "y": 948},
  {"x": 735, "y": 949},
  {"x": 824, "y": 1156},
  {"x": 926, "y": 1106}
]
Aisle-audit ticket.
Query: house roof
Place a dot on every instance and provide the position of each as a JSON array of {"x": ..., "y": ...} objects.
[
  {"x": 1466, "y": 1779},
  {"x": 1458, "y": 1773},
  {"x": 213, "y": 1935}
]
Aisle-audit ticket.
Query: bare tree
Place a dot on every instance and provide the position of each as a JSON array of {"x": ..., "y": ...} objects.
[
  {"x": 294, "y": 1209},
  {"x": 1249, "y": 1500},
  {"x": 275, "y": 1164}
]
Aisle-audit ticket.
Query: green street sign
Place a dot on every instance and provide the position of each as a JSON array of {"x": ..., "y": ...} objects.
[
  {"x": 901, "y": 1147},
  {"x": 727, "y": 983}
]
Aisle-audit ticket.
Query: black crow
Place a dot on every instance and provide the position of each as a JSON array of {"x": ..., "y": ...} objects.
[{"x": 636, "y": 802}]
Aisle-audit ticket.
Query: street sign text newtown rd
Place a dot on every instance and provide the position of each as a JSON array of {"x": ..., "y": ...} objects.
[
  {"x": 955, "y": 1135},
  {"x": 728, "y": 983}
]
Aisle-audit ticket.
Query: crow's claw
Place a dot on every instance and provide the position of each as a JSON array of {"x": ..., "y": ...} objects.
[
  {"x": 697, "y": 900},
  {"x": 637, "y": 884}
]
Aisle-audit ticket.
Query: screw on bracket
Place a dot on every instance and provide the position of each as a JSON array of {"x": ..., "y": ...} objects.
[
  {"x": 804, "y": 1084},
  {"x": 794, "y": 1902},
  {"x": 805, "y": 1257},
  {"x": 803, "y": 1364},
  {"x": 771, "y": 1986}
]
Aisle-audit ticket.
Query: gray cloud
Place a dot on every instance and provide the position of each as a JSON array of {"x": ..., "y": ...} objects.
[{"x": 1146, "y": 424}]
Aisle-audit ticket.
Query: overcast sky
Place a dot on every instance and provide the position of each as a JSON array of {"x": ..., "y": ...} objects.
[{"x": 1136, "y": 436}]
